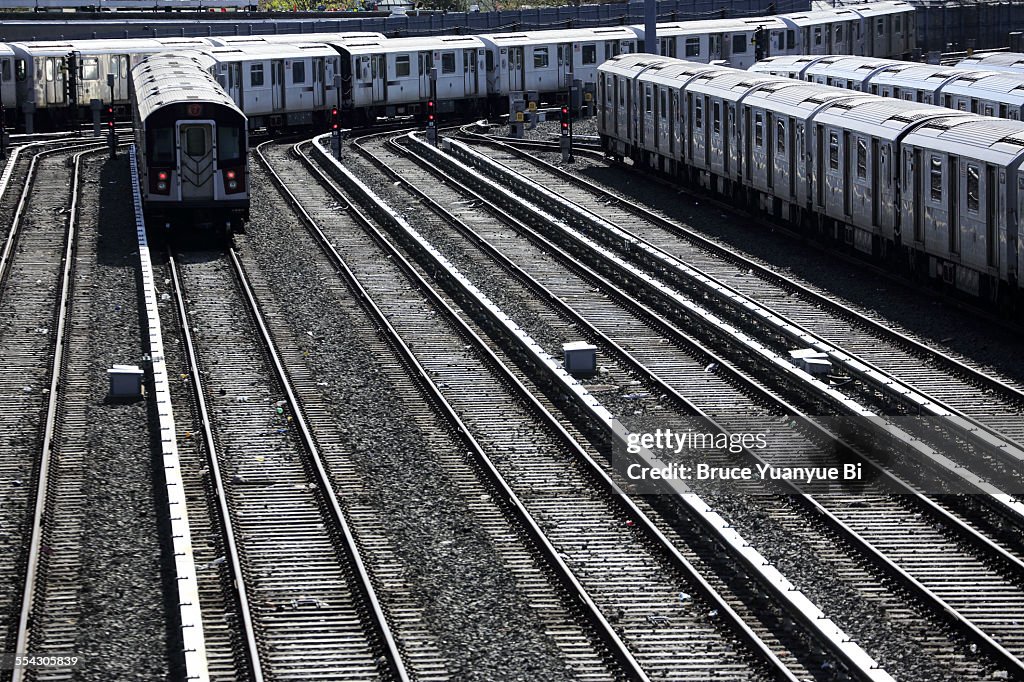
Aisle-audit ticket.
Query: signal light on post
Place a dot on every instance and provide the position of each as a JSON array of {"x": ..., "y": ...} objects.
[
  {"x": 565, "y": 120},
  {"x": 335, "y": 120},
  {"x": 431, "y": 118}
]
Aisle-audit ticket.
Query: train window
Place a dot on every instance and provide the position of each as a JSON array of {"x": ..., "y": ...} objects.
[
  {"x": 490, "y": 60},
  {"x": 698, "y": 112},
  {"x": 124, "y": 66},
  {"x": 589, "y": 54},
  {"x": 228, "y": 144},
  {"x": 973, "y": 203},
  {"x": 540, "y": 57},
  {"x": 447, "y": 62},
  {"x": 195, "y": 141},
  {"x": 256, "y": 75},
  {"x": 648, "y": 104},
  {"x": 790, "y": 40},
  {"x": 20, "y": 72},
  {"x": 298, "y": 72},
  {"x": 91, "y": 69},
  {"x": 780, "y": 136},
  {"x": 759, "y": 130},
  {"x": 817, "y": 35},
  {"x": 163, "y": 147},
  {"x": 862, "y": 158},
  {"x": 716, "y": 117},
  {"x": 692, "y": 48},
  {"x": 936, "y": 178},
  {"x": 739, "y": 44},
  {"x": 988, "y": 110},
  {"x": 896, "y": 24},
  {"x": 49, "y": 70},
  {"x": 880, "y": 27},
  {"x": 402, "y": 68},
  {"x": 664, "y": 105},
  {"x": 5, "y": 69},
  {"x": 833, "y": 151},
  {"x": 839, "y": 34}
]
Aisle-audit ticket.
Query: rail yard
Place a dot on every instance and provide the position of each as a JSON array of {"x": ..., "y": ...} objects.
[{"x": 568, "y": 354}]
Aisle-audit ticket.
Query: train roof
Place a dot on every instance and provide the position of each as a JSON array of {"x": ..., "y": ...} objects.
[
  {"x": 258, "y": 51},
  {"x": 796, "y": 98},
  {"x": 51, "y": 48},
  {"x": 568, "y": 35},
  {"x": 992, "y": 140},
  {"x": 6, "y": 50},
  {"x": 730, "y": 80},
  {"x": 696, "y": 28},
  {"x": 418, "y": 44},
  {"x": 878, "y": 116},
  {"x": 1004, "y": 87},
  {"x": 289, "y": 38},
  {"x": 875, "y": 9},
  {"x": 172, "y": 78},
  {"x": 996, "y": 60},
  {"x": 818, "y": 17}
]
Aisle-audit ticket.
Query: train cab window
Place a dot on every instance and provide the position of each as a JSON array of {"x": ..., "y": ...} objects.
[
  {"x": 589, "y": 54},
  {"x": 780, "y": 137},
  {"x": 739, "y": 44},
  {"x": 5, "y": 69},
  {"x": 20, "y": 72},
  {"x": 256, "y": 75},
  {"x": 162, "y": 152},
  {"x": 91, "y": 69},
  {"x": 228, "y": 144},
  {"x": 49, "y": 70},
  {"x": 298, "y": 72},
  {"x": 692, "y": 47},
  {"x": 698, "y": 112},
  {"x": 195, "y": 141},
  {"x": 936, "y": 178},
  {"x": 759, "y": 130},
  {"x": 790, "y": 39},
  {"x": 447, "y": 62},
  {"x": 716, "y": 117},
  {"x": 402, "y": 66},
  {"x": 862, "y": 158},
  {"x": 973, "y": 185},
  {"x": 540, "y": 57},
  {"x": 817, "y": 35},
  {"x": 833, "y": 151}
]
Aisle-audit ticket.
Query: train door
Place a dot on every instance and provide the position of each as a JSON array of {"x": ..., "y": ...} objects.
[
  {"x": 234, "y": 86},
  {"x": 53, "y": 80},
  {"x": 277, "y": 85},
  {"x": 876, "y": 170},
  {"x": 378, "y": 76},
  {"x": 195, "y": 160},
  {"x": 469, "y": 72},
  {"x": 847, "y": 189},
  {"x": 917, "y": 169},
  {"x": 319, "y": 81},
  {"x": 953, "y": 186},
  {"x": 769, "y": 149},
  {"x": 515, "y": 68},
  {"x": 991, "y": 209},
  {"x": 714, "y": 47},
  {"x": 564, "y": 65}
]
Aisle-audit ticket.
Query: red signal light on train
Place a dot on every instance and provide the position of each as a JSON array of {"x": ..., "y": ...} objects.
[
  {"x": 162, "y": 175},
  {"x": 230, "y": 175}
]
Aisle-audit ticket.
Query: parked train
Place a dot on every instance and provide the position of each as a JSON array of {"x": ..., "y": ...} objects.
[
  {"x": 991, "y": 93},
  {"x": 995, "y": 61},
  {"x": 192, "y": 144},
  {"x": 43, "y": 82},
  {"x": 940, "y": 191}
]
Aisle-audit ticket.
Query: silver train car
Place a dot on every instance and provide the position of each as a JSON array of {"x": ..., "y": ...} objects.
[
  {"x": 192, "y": 145},
  {"x": 938, "y": 191},
  {"x": 8, "y": 94},
  {"x": 990, "y": 93},
  {"x": 995, "y": 61},
  {"x": 54, "y": 81}
]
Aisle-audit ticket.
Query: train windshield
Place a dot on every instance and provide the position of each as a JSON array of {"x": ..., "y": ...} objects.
[
  {"x": 229, "y": 143},
  {"x": 162, "y": 152}
]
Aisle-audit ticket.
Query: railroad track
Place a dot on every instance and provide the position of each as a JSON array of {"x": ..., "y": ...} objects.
[
  {"x": 44, "y": 410},
  {"x": 311, "y": 606},
  {"x": 956, "y": 552},
  {"x": 555, "y": 479},
  {"x": 992, "y": 402}
]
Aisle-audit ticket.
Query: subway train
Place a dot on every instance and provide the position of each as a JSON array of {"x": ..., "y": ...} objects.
[
  {"x": 995, "y": 61},
  {"x": 191, "y": 142},
  {"x": 991, "y": 93},
  {"x": 48, "y": 84},
  {"x": 935, "y": 190}
]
